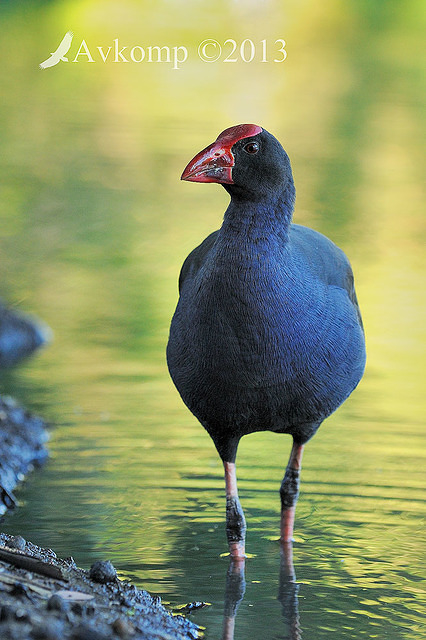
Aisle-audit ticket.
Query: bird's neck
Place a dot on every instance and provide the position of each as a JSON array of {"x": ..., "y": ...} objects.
[{"x": 263, "y": 220}]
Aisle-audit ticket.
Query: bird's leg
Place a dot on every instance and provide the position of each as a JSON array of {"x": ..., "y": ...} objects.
[
  {"x": 289, "y": 492},
  {"x": 235, "y": 521}
]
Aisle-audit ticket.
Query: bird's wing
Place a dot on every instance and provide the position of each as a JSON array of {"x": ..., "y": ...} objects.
[
  {"x": 196, "y": 258},
  {"x": 326, "y": 261},
  {"x": 350, "y": 288},
  {"x": 50, "y": 62},
  {"x": 64, "y": 45}
]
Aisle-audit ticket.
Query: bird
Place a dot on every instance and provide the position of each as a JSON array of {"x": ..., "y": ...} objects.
[
  {"x": 60, "y": 52},
  {"x": 267, "y": 333}
]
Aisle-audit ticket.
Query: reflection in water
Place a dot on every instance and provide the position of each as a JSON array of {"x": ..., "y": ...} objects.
[
  {"x": 234, "y": 593},
  {"x": 287, "y": 594}
]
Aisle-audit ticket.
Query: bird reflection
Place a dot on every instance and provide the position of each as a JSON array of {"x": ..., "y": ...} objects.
[
  {"x": 288, "y": 591},
  {"x": 287, "y": 594},
  {"x": 234, "y": 593}
]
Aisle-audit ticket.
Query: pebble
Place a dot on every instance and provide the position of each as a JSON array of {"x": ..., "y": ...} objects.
[
  {"x": 123, "y": 628},
  {"x": 22, "y": 615},
  {"x": 19, "y": 590},
  {"x": 16, "y": 542},
  {"x": 102, "y": 571},
  {"x": 77, "y": 608},
  {"x": 56, "y": 603}
]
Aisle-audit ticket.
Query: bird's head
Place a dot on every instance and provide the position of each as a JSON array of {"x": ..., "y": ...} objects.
[{"x": 247, "y": 160}]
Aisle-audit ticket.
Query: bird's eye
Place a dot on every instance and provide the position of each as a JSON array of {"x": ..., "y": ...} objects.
[{"x": 251, "y": 147}]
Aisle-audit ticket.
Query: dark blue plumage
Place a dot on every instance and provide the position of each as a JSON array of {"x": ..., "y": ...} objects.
[{"x": 267, "y": 333}]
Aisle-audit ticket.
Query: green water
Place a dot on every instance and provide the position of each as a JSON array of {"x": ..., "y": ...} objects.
[{"x": 94, "y": 225}]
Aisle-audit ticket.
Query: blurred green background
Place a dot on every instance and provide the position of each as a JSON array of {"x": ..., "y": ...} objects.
[{"x": 94, "y": 225}]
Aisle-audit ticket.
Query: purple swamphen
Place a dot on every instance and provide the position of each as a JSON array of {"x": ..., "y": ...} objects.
[{"x": 267, "y": 333}]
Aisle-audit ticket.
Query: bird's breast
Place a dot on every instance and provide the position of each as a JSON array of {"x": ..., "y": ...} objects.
[{"x": 258, "y": 319}]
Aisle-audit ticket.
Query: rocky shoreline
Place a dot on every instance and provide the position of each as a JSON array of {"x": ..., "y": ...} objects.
[
  {"x": 23, "y": 437},
  {"x": 43, "y": 597}
]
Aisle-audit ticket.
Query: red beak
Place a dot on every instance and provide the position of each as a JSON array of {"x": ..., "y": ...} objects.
[{"x": 215, "y": 162}]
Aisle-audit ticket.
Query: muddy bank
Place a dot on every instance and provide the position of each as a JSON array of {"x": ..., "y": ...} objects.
[
  {"x": 43, "y": 597},
  {"x": 22, "y": 446}
]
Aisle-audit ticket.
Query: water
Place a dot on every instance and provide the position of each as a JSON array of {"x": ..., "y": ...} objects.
[{"x": 94, "y": 225}]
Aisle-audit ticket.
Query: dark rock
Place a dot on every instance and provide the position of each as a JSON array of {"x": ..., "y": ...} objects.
[
  {"x": 123, "y": 628},
  {"x": 77, "y": 608},
  {"x": 22, "y": 615},
  {"x": 125, "y": 602},
  {"x": 17, "y": 542},
  {"x": 56, "y": 603},
  {"x": 20, "y": 335},
  {"x": 102, "y": 571},
  {"x": 7, "y": 499},
  {"x": 20, "y": 591}
]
